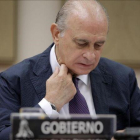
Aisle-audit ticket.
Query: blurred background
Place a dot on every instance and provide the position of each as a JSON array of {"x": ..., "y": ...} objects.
[{"x": 25, "y": 30}]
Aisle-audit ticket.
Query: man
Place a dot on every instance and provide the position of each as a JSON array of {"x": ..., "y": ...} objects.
[{"x": 79, "y": 36}]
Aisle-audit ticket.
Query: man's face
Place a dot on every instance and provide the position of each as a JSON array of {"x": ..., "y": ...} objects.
[{"x": 81, "y": 45}]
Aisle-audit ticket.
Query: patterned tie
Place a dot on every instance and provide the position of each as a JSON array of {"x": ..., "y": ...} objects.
[{"x": 78, "y": 104}]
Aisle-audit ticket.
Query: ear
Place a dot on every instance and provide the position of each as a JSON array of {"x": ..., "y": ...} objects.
[{"x": 55, "y": 33}]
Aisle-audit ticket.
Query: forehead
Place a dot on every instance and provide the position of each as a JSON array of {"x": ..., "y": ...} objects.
[
  {"x": 87, "y": 27},
  {"x": 88, "y": 18}
]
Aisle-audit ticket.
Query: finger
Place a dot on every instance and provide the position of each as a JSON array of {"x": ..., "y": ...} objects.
[
  {"x": 63, "y": 70},
  {"x": 70, "y": 76},
  {"x": 55, "y": 73}
]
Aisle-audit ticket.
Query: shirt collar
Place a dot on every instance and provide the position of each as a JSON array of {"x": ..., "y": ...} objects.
[{"x": 54, "y": 63}]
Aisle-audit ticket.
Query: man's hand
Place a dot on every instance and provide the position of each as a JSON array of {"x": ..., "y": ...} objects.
[
  {"x": 119, "y": 131},
  {"x": 60, "y": 88}
]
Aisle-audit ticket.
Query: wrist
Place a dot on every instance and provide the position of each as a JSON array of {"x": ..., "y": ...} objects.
[{"x": 53, "y": 106}]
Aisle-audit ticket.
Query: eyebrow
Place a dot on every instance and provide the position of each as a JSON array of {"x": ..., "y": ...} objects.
[
  {"x": 81, "y": 40},
  {"x": 87, "y": 41},
  {"x": 100, "y": 42}
]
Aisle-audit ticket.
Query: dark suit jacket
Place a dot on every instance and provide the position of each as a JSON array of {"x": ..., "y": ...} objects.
[{"x": 114, "y": 90}]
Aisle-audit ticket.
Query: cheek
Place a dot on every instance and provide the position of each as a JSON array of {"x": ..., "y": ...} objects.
[
  {"x": 71, "y": 52},
  {"x": 98, "y": 54},
  {"x": 73, "y": 58}
]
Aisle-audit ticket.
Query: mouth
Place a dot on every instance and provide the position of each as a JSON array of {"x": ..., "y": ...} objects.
[{"x": 85, "y": 65}]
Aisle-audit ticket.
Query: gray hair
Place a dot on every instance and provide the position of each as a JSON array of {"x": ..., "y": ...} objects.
[{"x": 65, "y": 11}]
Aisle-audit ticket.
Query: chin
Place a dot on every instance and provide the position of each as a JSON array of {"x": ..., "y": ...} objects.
[
  {"x": 79, "y": 71},
  {"x": 82, "y": 72}
]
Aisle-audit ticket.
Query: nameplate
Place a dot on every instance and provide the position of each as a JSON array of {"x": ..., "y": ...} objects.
[{"x": 39, "y": 127}]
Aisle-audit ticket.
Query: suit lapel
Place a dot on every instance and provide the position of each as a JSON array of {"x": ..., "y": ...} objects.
[
  {"x": 101, "y": 89},
  {"x": 42, "y": 71}
]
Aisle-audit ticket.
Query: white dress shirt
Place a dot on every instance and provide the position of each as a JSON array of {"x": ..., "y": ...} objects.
[{"x": 83, "y": 85}]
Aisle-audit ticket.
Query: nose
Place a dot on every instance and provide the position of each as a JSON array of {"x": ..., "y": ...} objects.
[{"x": 89, "y": 55}]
